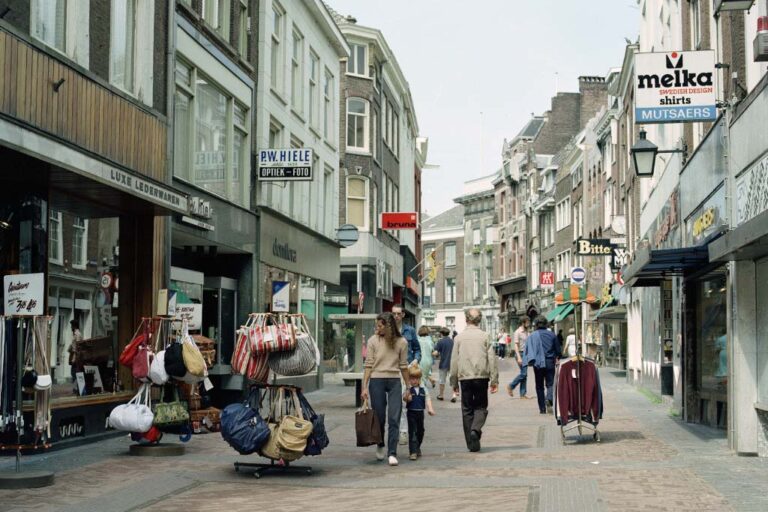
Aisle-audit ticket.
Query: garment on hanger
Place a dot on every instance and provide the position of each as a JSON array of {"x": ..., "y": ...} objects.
[{"x": 576, "y": 377}]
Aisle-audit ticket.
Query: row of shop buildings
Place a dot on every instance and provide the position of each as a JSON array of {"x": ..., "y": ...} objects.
[{"x": 130, "y": 134}]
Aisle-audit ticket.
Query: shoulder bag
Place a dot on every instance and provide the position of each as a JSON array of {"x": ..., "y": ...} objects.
[
  {"x": 141, "y": 336},
  {"x": 301, "y": 360},
  {"x": 288, "y": 433},
  {"x": 169, "y": 414},
  {"x": 193, "y": 359},
  {"x": 318, "y": 440},
  {"x": 243, "y": 428}
]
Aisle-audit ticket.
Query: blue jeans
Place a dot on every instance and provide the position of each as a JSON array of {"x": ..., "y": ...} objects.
[
  {"x": 386, "y": 397},
  {"x": 521, "y": 379},
  {"x": 543, "y": 375}
]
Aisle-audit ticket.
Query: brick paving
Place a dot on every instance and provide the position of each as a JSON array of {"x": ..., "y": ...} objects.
[{"x": 645, "y": 461}]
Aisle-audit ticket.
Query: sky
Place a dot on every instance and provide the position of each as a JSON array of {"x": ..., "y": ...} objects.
[{"x": 478, "y": 70}]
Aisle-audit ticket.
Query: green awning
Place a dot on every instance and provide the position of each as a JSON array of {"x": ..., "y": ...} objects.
[
  {"x": 333, "y": 310},
  {"x": 567, "y": 310},
  {"x": 552, "y": 314}
]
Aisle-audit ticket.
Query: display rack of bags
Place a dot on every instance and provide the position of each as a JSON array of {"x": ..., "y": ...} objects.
[
  {"x": 25, "y": 368},
  {"x": 161, "y": 353}
]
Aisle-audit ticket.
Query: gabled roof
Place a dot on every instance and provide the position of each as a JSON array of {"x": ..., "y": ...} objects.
[{"x": 453, "y": 217}]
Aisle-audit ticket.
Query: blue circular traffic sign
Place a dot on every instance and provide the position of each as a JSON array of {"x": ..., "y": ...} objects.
[{"x": 578, "y": 275}]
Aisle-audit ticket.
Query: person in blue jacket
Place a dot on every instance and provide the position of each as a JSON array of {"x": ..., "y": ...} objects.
[
  {"x": 414, "y": 357},
  {"x": 542, "y": 350}
]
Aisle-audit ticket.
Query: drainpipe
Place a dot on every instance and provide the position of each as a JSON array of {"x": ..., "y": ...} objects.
[{"x": 170, "y": 82}]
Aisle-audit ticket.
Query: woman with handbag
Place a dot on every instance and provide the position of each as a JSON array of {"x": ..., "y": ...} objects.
[{"x": 385, "y": 364}]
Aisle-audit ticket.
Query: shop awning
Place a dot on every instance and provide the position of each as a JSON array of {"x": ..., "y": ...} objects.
[
  {"x": 653, "y": 266},
  {"x": 567, "y": 310},
  {"x": 555, "y": 312},
  {"x": 607, "y": 313},
  {"x": 746, "y": 242}
]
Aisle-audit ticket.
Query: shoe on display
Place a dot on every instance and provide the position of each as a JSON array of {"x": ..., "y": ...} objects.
[
  {"x": 413, "y": 456},
  {"x": 380, "y": 452},
  {"x": 392, "y": 460}
]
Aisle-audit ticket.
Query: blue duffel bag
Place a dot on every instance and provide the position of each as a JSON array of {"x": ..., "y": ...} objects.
[{"x": 243, "y": 428}]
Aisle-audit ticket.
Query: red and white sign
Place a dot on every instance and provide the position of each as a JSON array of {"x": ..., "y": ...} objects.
[
  {"x": 399, "y": 220},
  {"x": 547, "y": 279},
  {"x": 619, "y": 279}
]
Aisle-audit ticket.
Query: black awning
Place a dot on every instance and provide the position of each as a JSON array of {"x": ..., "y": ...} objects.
[
  {"x": 509, "y": 286},
  {"x": 650, "y": 267}
]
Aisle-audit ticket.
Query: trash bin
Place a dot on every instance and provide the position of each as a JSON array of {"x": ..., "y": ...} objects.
[{"x": 667, "y": 379}]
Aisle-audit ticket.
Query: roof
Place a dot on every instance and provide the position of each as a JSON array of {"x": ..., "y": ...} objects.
[
  {"x": 453, "y": 217},
  {"x": 532, "y": 129}
]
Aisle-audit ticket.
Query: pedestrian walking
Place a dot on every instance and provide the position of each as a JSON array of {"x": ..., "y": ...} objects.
[
  {"x": 417, "y": 401},
  {"x": 414, "y": 356},
  {"x": 520, "y": 335},
  {"x": 427, "y": 346},
  {"x": 542, "y": 351},
  {"x": 503, "y": 338},
  {"x": 386, "y": 367},
  {"x": 443, "y": 351},
  {"x": 474, "y": 367},
  {"x": 569, "y": 350}
]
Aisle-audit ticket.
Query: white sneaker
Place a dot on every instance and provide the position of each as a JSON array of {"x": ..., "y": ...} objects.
[
  {"x": 392, "y": 460},
  {"x": 381, "y": 451}
]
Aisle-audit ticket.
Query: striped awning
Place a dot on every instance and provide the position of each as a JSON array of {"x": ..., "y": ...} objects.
[
  {"x": 575, "y": 294},
  {"x": 567, "y": 310},
  {"x": 555, "y": 312}
]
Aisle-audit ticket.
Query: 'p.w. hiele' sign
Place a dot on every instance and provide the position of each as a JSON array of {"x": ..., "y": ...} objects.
[{"x": 675, "y": 87}]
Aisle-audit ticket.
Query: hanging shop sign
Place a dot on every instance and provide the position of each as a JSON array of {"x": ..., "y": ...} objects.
[
  {"x": 675, "y": 87},
  {"x": 281, "y": 296},
  {"x": 399, "y": 220},
  {"x": 578, "y": 275},
  {"x": 547, "y": 279},
  {"x": 285, "y": 164},
  {"x": 23, "y": 294},
  {"x": 145, "y": 189}
]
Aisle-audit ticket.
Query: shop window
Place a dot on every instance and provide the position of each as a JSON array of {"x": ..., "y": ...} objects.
[
  {"x": 55, "y": 241},
  {"x": 712, "y": 349},
  {"x": 49, "y": 22},
  {"x": 79, "y": 242},
  {"x": 122, "y": 43},
  {"x": 357, "y": 202}
]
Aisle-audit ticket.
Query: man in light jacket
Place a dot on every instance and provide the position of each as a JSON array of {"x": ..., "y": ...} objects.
[{"x": 473, "y": 367}]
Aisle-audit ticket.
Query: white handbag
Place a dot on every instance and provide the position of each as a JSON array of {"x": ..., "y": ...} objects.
[
  {"x": 136, "y": 415},
  {"x": 157, "y": 373},
  {"x": 43, "y": 382}
]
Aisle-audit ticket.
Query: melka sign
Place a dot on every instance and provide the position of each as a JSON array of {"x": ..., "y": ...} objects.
[{"x": 675, "y": 87}]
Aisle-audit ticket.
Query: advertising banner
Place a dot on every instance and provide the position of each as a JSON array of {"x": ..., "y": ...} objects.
[
  {"x": 399, "y": 220},
  {"x": 293, "y": 164},
  {"x": 675, "y": 87},
  {"x": 281, "y": 296}
]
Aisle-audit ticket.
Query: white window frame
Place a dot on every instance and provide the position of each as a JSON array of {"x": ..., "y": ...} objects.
[
  {"x": 366, "y": 198},
  {"x": 276, "y": 49},
  {"x": 216, "y": 13},
  {"x": 358, "y": 68},
  {"x": 563, "y": 214},
  {"x": 452, "y": 246},
  {"x": 297, "y": 71},
  {"x": 476, "y": 283},
  {"x": 476, "y": 239},
  {"x": 329, "y": 205},
  {"x": 130, "y": 85},
  {"x": 363, "y": 118},
  {"x": 375, "y": 134},
  {"x": 450, "y": 291},
  {"x": 80, "y": 261},
  {"x": 245, "y": 22},
  {"x": 328, "y": 111},
  {"x": 314, "y": 90},
  {"x": 57, "y": 258},
  {"x": 36, "y": 14}
]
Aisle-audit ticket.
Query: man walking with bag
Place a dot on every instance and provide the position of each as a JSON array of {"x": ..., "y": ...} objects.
[
  {"x": 473, "y": 368},
  {"x": 542, "y": 351}
]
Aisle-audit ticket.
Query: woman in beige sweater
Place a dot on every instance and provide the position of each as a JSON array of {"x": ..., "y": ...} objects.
[{"x": 385, "y": 364}]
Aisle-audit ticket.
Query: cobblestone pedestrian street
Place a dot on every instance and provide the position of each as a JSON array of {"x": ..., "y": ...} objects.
[{"x": 646, "y": 460}]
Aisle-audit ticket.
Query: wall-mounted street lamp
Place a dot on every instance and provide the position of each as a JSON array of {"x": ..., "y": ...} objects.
[
  {"x": 644, "y": 154},
  {"x": 733, "y": 5}
]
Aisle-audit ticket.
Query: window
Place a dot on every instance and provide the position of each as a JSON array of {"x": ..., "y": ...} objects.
[
  {"x": 357, "y": 124},
  {"x": 211, "y": 139},
  {"x": 608, "y": 205},
  {"x": 216, "y": 14},
  {"x": 563, "y": 213},
  {"x": 696, "y": 23},
  {"x": 430, "y": 292},
  {"x": 295, "y": 188},
  {"x": 476, "y": 237},
  {"x": 328, "y": 106},
  {"x": 49, "y": 22},
  {"x": 450, "y": 254},
  {"x": 427, "y": 251},
  {"x": 534, "y": 269},
  {"x": 242, "y": 37},
  {"x": 357, "y": 202},
  {"x": 490, "y": 235},
  {"x": 328, "y": 199},
  {"x": 314, "y": 84},
  {"x": 450, "y": 290},
  {"x": 576, "y": 176},
  {"x": 358, "y": 60},
  {"x": 375, "y": 212},
  {"x": 121, "y": 46},
  {"x": 476, "y": 284},
  {"x": 276, "y": 51},
  {"x": 384, "y": 117},
  {"x": 79, "y": 242},
  {"x": 55, "y": 242},
  {"x": 396, "y": 135},
  {"x": 563, "y": 265},
  {"x": 450, "y": 321},
  {"x": 375, "y": 135},
  {"x": 297, "y": 72}
]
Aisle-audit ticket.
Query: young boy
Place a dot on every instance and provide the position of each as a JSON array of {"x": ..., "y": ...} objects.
[{"x": 417, "y": 400}]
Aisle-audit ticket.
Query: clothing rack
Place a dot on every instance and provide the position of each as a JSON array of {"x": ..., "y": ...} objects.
[
  {"x": 274, "y": 466},
  {"x": 19, "y": 479},
  {"x": 579, "y": 423}
]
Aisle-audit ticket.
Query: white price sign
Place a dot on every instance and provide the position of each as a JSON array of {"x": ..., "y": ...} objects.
[{"x": 24, "y": 294}]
